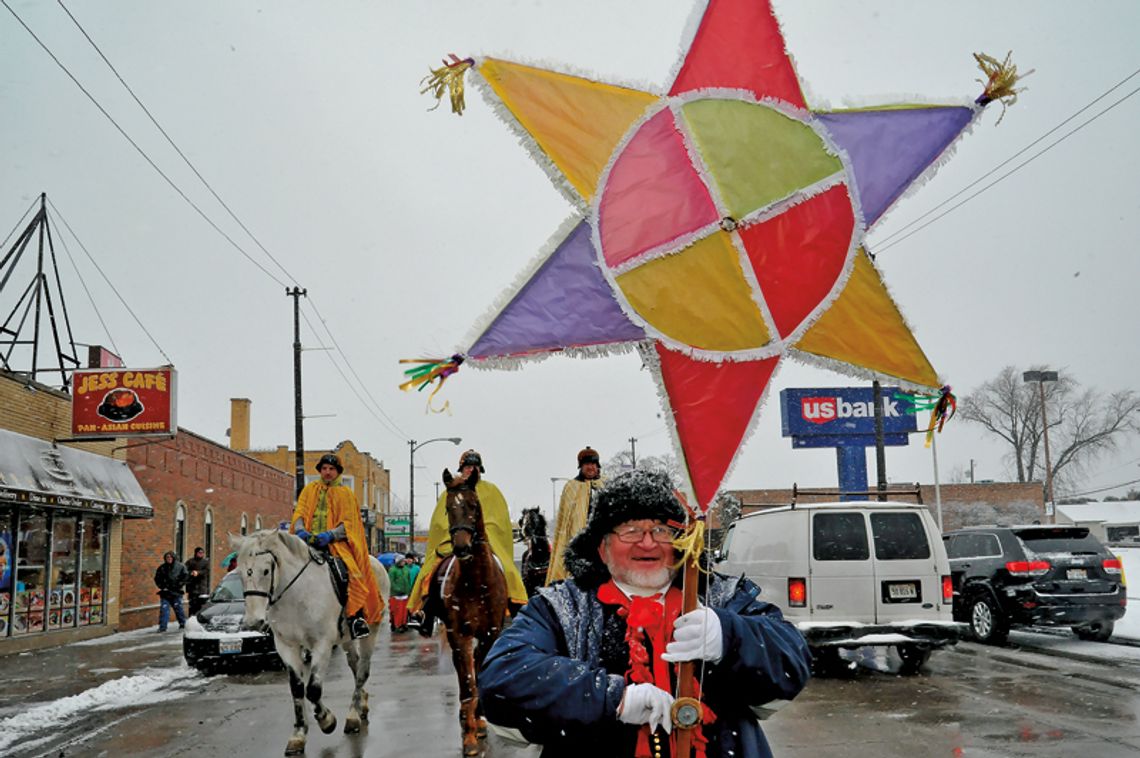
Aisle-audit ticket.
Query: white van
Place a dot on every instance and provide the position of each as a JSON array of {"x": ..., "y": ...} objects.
[{"x": 850, "y": 574}]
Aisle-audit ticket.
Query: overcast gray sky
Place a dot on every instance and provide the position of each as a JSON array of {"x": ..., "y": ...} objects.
[{"x": 406, "y": 225}]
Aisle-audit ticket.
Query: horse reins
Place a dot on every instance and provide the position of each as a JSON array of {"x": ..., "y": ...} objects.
[{"x": 273, "y": 577}]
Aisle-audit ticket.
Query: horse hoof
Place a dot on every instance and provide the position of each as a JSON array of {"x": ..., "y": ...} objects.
[
  {"x": 329, "y": 726},
  {"x": 471, "y": 750},
  {"x": 295, "y": 747},
  {"x": 351, "y": 726}
]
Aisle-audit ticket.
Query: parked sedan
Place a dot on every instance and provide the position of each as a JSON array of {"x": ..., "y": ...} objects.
[{"x": 214, "y": 638}]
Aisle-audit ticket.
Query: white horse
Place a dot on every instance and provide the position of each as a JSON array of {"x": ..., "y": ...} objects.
[{"x": 287, "y": 589}]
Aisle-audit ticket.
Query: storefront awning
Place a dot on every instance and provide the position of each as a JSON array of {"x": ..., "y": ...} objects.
[{"x": 36, "y": 472}]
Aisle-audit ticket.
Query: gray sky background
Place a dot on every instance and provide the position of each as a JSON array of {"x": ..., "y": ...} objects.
[{"x": 405, "y": 225}]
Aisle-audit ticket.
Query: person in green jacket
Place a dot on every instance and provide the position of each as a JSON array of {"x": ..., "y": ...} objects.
[{"x": 400, "y": 577}]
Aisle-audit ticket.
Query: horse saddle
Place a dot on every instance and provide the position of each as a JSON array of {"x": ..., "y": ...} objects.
[{"x": 338, "y": 573}]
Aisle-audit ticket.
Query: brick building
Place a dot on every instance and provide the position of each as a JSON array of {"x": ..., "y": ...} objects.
[
  {"x": 364, "y": 474},
  {"x": 200, "y": 490},
  {"x": 63, "y": 507}
]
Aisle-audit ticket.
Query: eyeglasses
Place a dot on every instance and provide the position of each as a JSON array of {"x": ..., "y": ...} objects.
[{"x": 634, "y": 534}]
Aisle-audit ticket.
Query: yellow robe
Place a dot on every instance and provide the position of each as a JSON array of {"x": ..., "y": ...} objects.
[
  {"x": 573, "y": 509},
  {"x": 497, "y": 522},
  {"x": 342, "y": 509}
]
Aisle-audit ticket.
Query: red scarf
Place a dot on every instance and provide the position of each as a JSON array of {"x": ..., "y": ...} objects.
[{"x": 647, "y": 617}]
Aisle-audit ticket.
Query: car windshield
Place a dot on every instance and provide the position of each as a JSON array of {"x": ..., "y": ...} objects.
[
  {"x": 229, "y": 590},
  {"x": 1072, "y": 540}
]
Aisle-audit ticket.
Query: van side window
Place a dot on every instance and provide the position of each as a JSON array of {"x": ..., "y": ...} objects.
[
  {"x": 899, "y": 537},
  {"x": 839, "y": 537}
]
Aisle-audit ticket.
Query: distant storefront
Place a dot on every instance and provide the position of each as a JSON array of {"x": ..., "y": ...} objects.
[{"x": 58, "y": 509}]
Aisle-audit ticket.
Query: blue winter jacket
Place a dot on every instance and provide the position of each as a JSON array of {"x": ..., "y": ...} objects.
[{"x": 554, "y": 675}]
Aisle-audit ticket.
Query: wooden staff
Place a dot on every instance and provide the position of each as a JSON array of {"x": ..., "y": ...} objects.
[{"x": 687, "y": 711}]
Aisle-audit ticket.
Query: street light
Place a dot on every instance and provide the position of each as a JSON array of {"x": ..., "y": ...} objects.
[
  {"x": 413, "y": 446},
  {"x": 1041, "y": 377},
  {"x": 553, "y": 496}
]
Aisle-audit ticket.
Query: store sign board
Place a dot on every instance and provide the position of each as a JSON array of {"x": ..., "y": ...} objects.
[
  {"x": 124, "y": 402},
  {"x": 396, "y": 526}
]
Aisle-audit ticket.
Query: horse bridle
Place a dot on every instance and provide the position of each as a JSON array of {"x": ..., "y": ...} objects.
[{"x": 273, "y": 577}]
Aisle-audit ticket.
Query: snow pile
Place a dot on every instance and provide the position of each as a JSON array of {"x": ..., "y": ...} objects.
[
  {"x": 148, "y": 687},
  {"x": 1129, "y": 626}
]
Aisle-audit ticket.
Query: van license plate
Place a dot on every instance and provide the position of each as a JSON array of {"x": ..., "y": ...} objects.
[
  {"x": 902, "y": 591},
  {"x": 1077, "y": 574},
  {"x": 229, "y": 645}
]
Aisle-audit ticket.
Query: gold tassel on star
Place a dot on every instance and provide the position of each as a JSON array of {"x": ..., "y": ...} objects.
[
  {"x": 448, "y": 78},
  {"x": 1001, "y": 80}
]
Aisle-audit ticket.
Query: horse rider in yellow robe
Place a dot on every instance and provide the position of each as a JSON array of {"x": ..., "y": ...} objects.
[
  {"x": 500, "y": 533},
  {"x": 573, "y": 509},
  {"x": 328, "y": 518}
]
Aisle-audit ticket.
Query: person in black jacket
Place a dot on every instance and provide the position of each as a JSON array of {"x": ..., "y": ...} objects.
[
  {"x": 588, "y": 666},
  {"x": 170, "y": 578},
  {"x": 198, "y": 586}
]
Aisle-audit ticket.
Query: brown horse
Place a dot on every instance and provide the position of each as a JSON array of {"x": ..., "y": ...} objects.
[{"x": 473, "y": 592}]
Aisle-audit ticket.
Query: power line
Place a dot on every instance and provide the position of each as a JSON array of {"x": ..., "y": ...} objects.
[
  {"x": 140, "y": 151},
  {"x": 1104, "y": 489},
  {"x": 108, "y": 281},
  {"x": 83, "y": 282},
  {"x": 388, "y": 423},
  {"x": 994, "y": 170},
  {"x": 178, "y": 150},
  {"x": 229, "y": 210},
  {"x": 18, "y": 224},
  {"x": 1009, "y": 173},
  {"x": 394, "y": 426}
]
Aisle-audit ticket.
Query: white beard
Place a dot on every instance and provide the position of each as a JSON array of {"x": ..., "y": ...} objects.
[{"x": 642, "y": 581}]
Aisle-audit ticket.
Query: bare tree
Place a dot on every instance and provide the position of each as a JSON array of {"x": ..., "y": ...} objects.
[
  {"x": 1084, "y": 423},
  {"x": 623, "y": 461}
]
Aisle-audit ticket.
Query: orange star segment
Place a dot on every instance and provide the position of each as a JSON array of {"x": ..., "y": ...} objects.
[
  {"x": 576, "y": 122},
  {"x": 865, "y": 328},
  {"x": 698, "y": 297}
]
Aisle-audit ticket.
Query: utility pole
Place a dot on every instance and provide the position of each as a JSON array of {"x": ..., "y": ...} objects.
[
  {"x": 633, "y": 451},
  {"x": 299, "y": 418},
  {"x": 880, "y": 450},
  {"x": 971, "y": 471}
]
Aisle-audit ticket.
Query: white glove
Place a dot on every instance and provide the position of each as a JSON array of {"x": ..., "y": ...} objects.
[
  {"x": 696, "y": 636},
  {"x": 646, "y": 704}
]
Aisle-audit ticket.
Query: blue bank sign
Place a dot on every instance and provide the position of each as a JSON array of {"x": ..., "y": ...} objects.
[{"x": 844, "y": 418}]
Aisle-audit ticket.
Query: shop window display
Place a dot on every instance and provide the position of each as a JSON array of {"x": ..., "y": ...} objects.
[
  {"x": 64, "y": 572},
  {"x": 6, "y": 565},
  {"x": 33, "y": 539},
  {"x": 91, "y": 575}
]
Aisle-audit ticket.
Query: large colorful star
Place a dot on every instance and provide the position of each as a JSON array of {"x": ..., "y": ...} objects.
[{"x": 721, "y": 227}]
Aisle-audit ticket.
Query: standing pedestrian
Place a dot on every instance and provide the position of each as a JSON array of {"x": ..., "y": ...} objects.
[
  {"x": 413, "y": 563},
  {"x": 400, "y": 579},
  {"x": 573, "y": 509},
  {"x": 170, "y": 578},
  {"x": 588, "y": 668},
  {"x": 198, "y": 586}
]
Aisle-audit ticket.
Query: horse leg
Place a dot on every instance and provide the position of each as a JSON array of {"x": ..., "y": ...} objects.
[
  {"x": 295, "y": 666},
  {"x": 314, "y": 688},
  {"x": 461, "y": 656},
  {"x": 484, "y": 646},
  {"x": 359, "y": 655}
]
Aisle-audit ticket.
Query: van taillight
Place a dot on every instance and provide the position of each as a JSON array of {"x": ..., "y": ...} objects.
[
  {"x": 947, "y": 590},
  {"x": 1112, "y": 566},
  {"x": 1028, "y": 568},
  {"x": 797, "y": 592}
]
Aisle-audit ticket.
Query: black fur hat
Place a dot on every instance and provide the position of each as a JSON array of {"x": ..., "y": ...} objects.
[
  {"x": 472, "y": 458},
  {"x": 627, "y": 497},
  {"x": 332, "y": 460}
]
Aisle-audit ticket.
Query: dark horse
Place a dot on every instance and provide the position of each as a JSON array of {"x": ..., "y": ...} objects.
[
  {"x": 536, "y": 559},
  {"x": 473, "y": 591}
]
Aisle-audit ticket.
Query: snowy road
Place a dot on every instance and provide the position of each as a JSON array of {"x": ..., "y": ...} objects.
[{"x": 1043, "y": 695}]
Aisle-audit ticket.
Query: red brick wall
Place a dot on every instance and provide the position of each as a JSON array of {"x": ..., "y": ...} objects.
[{"x": 199, "y": 474}]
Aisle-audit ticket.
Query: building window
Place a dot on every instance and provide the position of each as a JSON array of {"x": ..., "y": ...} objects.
[
  {"x": 245, "y": 525},
  {"x": 208, "y": 534},
  {"x": 180, "y": 531},
  {"x": 257, "y": 522}
]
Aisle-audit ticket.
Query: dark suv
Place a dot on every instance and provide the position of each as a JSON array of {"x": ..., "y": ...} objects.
[{"x": 1034, "y": 575}]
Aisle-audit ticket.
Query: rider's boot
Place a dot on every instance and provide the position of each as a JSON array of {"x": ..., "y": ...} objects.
[
  {"x": 427, "y": 626},
  {"x": 357, "y": 626}
]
